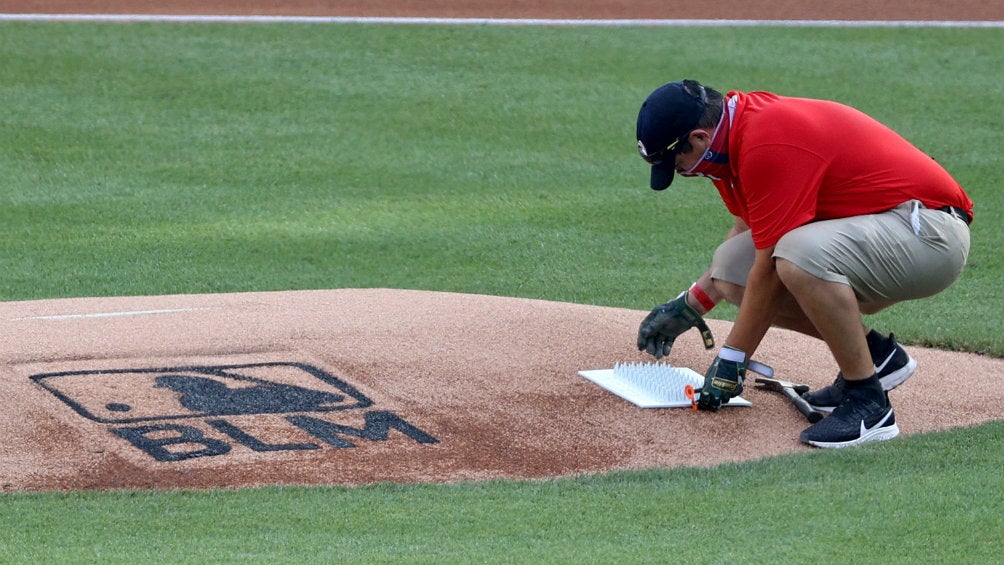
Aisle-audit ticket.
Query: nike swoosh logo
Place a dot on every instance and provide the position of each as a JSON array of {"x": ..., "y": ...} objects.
[
  {"x": 878, "y": 368},
  {"x": 865, "y": 429}
]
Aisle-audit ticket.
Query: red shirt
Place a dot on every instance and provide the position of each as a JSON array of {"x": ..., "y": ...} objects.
[{"x": 796, "y": 160}]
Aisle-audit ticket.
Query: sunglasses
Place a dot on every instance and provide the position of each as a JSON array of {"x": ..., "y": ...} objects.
[{"x": 659, "y": 157}]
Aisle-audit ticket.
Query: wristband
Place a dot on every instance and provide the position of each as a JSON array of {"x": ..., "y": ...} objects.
[
  {"x": 732, "y": 354},
  {"x": 701, "y": 297}
]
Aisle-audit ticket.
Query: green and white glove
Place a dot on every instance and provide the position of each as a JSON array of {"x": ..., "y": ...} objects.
[
  {"x": 724, "y": 379},
  {"x": 665, "y": 323}
]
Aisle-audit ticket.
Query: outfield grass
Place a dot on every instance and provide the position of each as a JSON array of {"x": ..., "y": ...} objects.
[
  {"x": 922, "y": 499},
  {"x": 155, "y": 159}
]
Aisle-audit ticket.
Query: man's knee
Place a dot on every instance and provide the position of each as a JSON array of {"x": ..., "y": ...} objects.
[
  {"x": 731, "y": 264},
  {"x": 791, "y": 274},
  {"x": 797, "y": 280}
]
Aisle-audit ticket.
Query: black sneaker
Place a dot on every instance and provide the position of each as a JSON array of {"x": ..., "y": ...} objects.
[
  {"x": 893, "y": 366},
  {"x": 857, "y": 420}
]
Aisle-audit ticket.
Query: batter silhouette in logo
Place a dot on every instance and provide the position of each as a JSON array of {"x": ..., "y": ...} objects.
[
  {"x": 212, "y": 397},
  {"x": 128, "y": 396}
]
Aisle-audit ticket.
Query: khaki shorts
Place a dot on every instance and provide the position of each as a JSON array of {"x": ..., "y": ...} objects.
[{"x": 905, "y": 253}]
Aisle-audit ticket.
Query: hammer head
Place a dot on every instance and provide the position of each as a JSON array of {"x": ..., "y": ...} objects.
[{"x": 778, "y": 385}]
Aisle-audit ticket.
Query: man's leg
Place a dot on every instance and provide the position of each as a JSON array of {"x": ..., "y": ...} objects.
[
  {"x": 832, "y": 309},
  {"x": 865, "y": 413},
  {"x": 790, "y": 316},
  {"x": 876, "y": 260},
  {"x": 734, "y": 257},
  {"x": 729, "y": 272}
]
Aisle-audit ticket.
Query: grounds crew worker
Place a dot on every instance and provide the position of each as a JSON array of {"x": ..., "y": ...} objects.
[{"x": 836, "y": 216}]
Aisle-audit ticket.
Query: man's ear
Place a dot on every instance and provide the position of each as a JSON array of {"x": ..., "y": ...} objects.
[
  {"x": 700, "y": 137},
  {"x": 700, "y": 134}
]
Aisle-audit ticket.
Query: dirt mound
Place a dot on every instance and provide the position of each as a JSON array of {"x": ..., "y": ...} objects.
[{"x": 357, "y": 386}]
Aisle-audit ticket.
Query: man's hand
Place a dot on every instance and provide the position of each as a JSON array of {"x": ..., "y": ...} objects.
[
  {"x": 724, "y": 379},
  {"x": 659, "y": 330}
]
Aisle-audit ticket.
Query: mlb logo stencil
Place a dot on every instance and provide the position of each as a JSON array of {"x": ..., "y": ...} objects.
[
  {"x": 138, "y": 395},
  {"x": 147, "y": 405}
]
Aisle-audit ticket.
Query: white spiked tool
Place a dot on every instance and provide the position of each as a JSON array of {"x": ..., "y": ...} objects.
[{"x": 652, "y": 385}]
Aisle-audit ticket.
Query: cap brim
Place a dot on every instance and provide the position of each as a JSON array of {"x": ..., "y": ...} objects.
[{"x": 662, "y": 177}]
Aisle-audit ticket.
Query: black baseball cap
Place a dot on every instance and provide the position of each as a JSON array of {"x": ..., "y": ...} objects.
[{"x": 668, "y": 115}]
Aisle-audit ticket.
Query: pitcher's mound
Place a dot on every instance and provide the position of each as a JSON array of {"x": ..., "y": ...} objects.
[{"x": 357, "y": 386}]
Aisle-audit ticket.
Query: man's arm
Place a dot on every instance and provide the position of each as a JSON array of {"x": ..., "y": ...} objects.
[
  {"x": 761, "y": 300},
  {"x": 738, "y": 227},
  {"x": 763, "y": 294}
]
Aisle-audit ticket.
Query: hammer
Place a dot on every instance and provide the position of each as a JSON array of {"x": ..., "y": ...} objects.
[{"x": 794, "y": 394}]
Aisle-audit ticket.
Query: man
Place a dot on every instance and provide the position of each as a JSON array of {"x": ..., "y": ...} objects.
[{"x": 835, "y": 215}]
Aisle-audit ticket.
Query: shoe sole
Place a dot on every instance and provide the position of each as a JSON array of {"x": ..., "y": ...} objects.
[
  {"x": 896, "y": 378},
  {"x": 888, "y": 382},
  {"x": 880, "y": 434}
]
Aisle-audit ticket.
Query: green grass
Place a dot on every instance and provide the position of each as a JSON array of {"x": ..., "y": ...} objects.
[
  {"x": 154, "y": 159},
  {"x": 487, "y": 160},
  {"x": 922, "y": 499}
]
